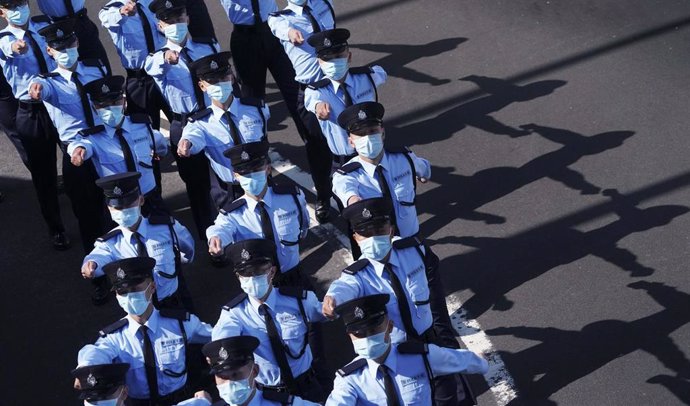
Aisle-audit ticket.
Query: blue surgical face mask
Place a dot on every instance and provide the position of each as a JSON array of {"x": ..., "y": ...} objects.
[
  {"x": 255, "y": 286},
  {"x": 298, "y": 2},
  {"x": 221, "y": 91},
  {"x": 369, "y": 146},
  {"x": 335, "y": 68},
  {"x": 112, "y": 115},
  {"x": 19, "y": 16},
  {"x": 67, "y": 58},
  {"x": 253, "y": 183},
  {"x": 235, "y": 392},
  {"x": 134, "y": 303},
  {"x": 371, "y": 347},
  {"x": 126, "y": 217},
  {"x": 176, "y": 32},
  {"x": 376, "y": 247}
]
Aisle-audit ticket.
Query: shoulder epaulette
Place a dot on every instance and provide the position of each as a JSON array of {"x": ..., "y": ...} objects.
[
  {"x": 397, "y": 150},
  {"x": 293, "y": 291},
  {"x": 41, "y": 19},
  {"x": 349, "y": 168},
  {"x": 361, "y": 69},
  {"x": 281, "y": 12},
  {"x": 48, "y": 75},
  {"x": 164, "y": 49},
  {"x": 352, "y": 367},
  {"x": 140, "y": 118},
  {"x": 407, "y": 242},
  {"x": 234, "y": 205},
  {"x": 4, "y": 34},
  {"x": 284, "y": 398},
  {"x": 92, "y": 62},
  {"x": 413, "y": 347},
  {"x": 285, "y": 189},
  {"x": 92, "y": 130},
  {"x": 158, "y": 219},
  {"x": 177, "y": 314},
  {"x": 318, "y": 85},
  {"x": 109, "y": 235},
  {"x": 356, "y": 267},
  {"x": 117, "y": 4},
  {"x": 235, "y": 301},
  {"x": 199, "y": 114},
  {"x": 204, "y": 40},
  {"x": 113, "y": 327},
  {"x": 252, "y": 101}
]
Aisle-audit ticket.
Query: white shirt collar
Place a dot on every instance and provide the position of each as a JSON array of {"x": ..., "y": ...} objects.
[
  {"x": 336, "y": 84},
  {"x": 391, "y": 362},
  {"x": 151, "y": 323},
  {"x": 142, "y": 230},
  {"x": 268, "y": 200},
  {"x": 270, "y": 301}
]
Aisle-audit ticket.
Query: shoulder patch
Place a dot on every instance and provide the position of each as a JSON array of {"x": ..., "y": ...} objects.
[
  {"x": 199, "y": 115},
  {"x": 161, "y": 219},
  {"x": 397, "y": 150},
  {"x": 356, "y": 267},
  {"x": 109, "y": 235},
  {"x": 285, "y": 189},
  {"x": 349, "y": 168},
  {"x": 117, "y": 4},
  {"x": 293, "y": 291},
  {"x": 252, "y": 101},
  {"x": 352, "y": 367},
  {"x": 113, "y": 327},
  {"x": 286, "y": 11},
  {"x": 318, "y": 85},
  {"x": 48, "y": 75},
  {"x": 413, "y": 347},
  {"x": 358, "y": 70},
  {"x": 283, "y": 398},
  {"x": 140, "y": 118},
  {"x": 5, "y": 34},
  {"x": 177, "y": 314},
  {"x": 235, "y": 301},
  {"x": 407, "y": 242},
  {"x": 234, "y": 205}
]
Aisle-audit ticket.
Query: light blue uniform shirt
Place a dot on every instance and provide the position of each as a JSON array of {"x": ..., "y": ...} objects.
[
  {"x": 20, "y": 69},
  {"x": 126, "y": 345},
  {"x": 175, "y": 81},
  {"x": 56, "y": 8},
  {"x": 245, "y": 319},
  {"x": 360, "y": 90},
  {"x": 109, "y": 159},
  {"x": 374, "y": 279},
  {"x": 364, "y": 387},
  {"x": 159, "y": 245},
  {"x": 398, "y": 173},
  {"x": 245, "y": 222},
  {"x": 127, "y": 32},
  {"x": 62, "y": 100},
  {"x": 211, "y": 134},
  {"x": 303, "y": 57},
  {"x": 240, "y": 11}
]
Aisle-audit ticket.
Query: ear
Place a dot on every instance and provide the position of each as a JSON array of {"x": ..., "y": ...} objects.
[
  {"x": 350, "y": 140},
  {"x": 142, "y": 199},
  {"x": 3, "y": 13},
  {"x": 50, "y": 51},
  {"x": 349, "y": 56},
  {"x": 202, "y": 86}
]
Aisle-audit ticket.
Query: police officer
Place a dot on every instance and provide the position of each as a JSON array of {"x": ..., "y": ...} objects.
[
  {"x": 341, "y": 87},
  {"x": 275, "y": 212},
  {"x": 87, "y": 32},
  {"x": 153, "y": 342},
  {"x": 159, "y": 237},
  {"x": 126, "y": 143},
  {"x": 23, "y": 57},
  {"x": 169, "y": 67},
  {"x": 389, "y": 373},
  {"x": 132, "y": 27},
  {"x": 279, "y": 318},
  {"x": 293, "y": 26},
  {"x": 233, "y": 363},
  {"x": 230, "y": 120},
  {"x": 101, "y": 384},
  {"x": 62, "y": 93}
]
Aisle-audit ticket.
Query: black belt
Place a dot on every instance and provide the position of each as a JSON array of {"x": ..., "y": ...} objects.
[
  {"x": 79, "y": 14},
  {"x": 342, "y": 159},
  {"x": 30, "y": 105},
  {"x": 250, "y": 28}
]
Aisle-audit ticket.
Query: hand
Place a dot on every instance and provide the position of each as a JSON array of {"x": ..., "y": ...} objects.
[
  {"x": 78, "y": 156},
  {"x": 215, "y": 248},
  {"x": 35, "y": 91},
  {"x": 19, "y": 47},
  {"x": 128, "y": 9},
  {"x": 172, "y": 57},
  {"x": 328, "y": 308},
  {"x": 323, "y": 110},
  {"x": 183, "y": 148},
  {"x": 353, "y": 199},
  {"x": 202, "y": 394},
  {"x": 88, "y": 270},
  {"x": 295, "y": 36},
  {"x": 423, "y": 180}
]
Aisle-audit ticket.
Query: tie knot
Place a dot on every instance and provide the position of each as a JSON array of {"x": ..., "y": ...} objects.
[
  {"x": 384, "y": 369},
  {"x": 143, "y": 329},
  {"x": 263, "y": 309}
]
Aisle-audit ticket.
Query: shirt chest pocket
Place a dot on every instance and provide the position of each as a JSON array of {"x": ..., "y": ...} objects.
[
  {"x": 170, "y": 352},
  {"x": 293, "y": 332},
  {"x": 288, "y": 227},
  {"x": 142, "y": 149},
  {"x": 164, "y": 255},
  {"x": 415, "y": 391},
  {"x": 405, "y": 195},
  {"x": 418, "y": 287}
]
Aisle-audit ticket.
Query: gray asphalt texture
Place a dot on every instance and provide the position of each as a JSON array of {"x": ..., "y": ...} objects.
[{"x": 558, "y": 133}]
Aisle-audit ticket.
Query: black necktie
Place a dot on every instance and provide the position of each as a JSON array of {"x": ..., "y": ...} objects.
[
  {"x": 266, "y": 226},
  {"x": 234, "y": 133},
  {"x": 85, "y": 105},
  {"x": 346, "y": 95},
  {"x": 42, "y": 65},
  {"x": 141, "y": 247},
  {"x": 257, "y": 12},
  {"x": 389, "y": 387},
  {"x": 150, "y": 364},
  {"x": 148, "y": 34},
  {"x": 277, "y": 347},
  {"x": 69, "y": 7},
  {"x": 306, "y": 10},
  {"x": 126, "y": 150},
  {"x": 386, "y": 191},
  {"x": 403, "y": 303}
]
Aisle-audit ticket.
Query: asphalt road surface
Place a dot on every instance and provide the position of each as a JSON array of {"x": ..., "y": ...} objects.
[{"x": 558, "y": 134}]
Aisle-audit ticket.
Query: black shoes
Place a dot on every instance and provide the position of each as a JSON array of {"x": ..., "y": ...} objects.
[
  {"x": 323, "y": 211},
  {"x": 61, "y": 241}
]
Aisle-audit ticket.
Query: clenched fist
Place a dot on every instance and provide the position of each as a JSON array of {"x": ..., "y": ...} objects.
[
  {"x": 88, "y": 270},
  {"x": 78, "y": 156},
  {"x": 128, "y": 9},
  {"x": 35, "y": 90},
  {"x": 328, "y": 308},
  {"x": 19, "y": 47},
  {"x": 184, "y": 148},
  {"x": 172, "y": 57},
  {"x": 215, "y": 248},
  {"x": 323, "y": 111},
  {"x": 295, "y": 36}
]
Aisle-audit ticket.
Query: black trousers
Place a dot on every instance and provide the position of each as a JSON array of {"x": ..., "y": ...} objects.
[
  {"x": 90, "y": 46},
  {"x": 8, "y": 115},
  {"x": 143, "y": 96},
  {"x": 319, "y": 155},
  {"x": 223, "y": 193},
  {"x": 40, "y": 140},
  {"x": 200, "y": 23}
]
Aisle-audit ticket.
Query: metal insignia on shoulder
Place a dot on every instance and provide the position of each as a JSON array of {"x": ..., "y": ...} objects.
[
  {"x": 222, "y": 354},
  {"x": 359, "y": 313},
  {"x": 105, "y": 88},
  {"x": 244, "y": 156},
  {"x": 117, "y": 191},
  {"x": 327, "y": 42},
  {"x": 245, "y": 255},
  {"x": 91, "y": 380},
  {"x": 362, "y": 115},
  {"x": 59, "y": 33},
  {"x": 120, "y": 273},
  {"x": 213, "y": 65},
  {"x": 168, "y": 4},
  {"x": 366, "y": 213}
]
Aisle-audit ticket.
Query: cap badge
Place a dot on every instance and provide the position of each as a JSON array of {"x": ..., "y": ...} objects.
[
  {"x": 91, "y": 380},
  {"x": 222, "y": 354},
  {"x": 326, "y": 42},
  {"x": 105, "y": 88},
  {"x": 213, "y": 65},
  {"x": 362, "y": 115},
  {"x": 366, "y": 213},
  {"x": 168, "y": 4},
  {"x": 245, "y": 255},
  {"x": 59, "y": 33},
  {"x": 120, "y": 273},
  {"x": 117, "y": 191},
  {"x": 359, "y": 313},
  {"x": 244, "y": 156}
]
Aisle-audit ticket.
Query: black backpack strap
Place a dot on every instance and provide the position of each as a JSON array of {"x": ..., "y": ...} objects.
[
  {"x": 349, "y": 168},
  {"x": 406, "y": 153},
  {"x": 235, "y": 301},
  {"x": 318, "y": 85},
  {"x": 352, "y": 367},
  {"x": 356, "y": 267},
  {"x": 113, "y": 327},
  {"x": 110, "y": 234},
  {"x": 366, "y": 70}
]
